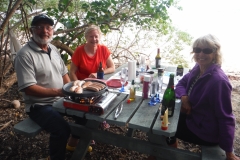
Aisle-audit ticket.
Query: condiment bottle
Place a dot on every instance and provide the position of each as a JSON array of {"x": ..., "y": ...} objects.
[
  {"x": 132, "y": 92},
  {"x": 168, "y": 101},
  {"x": 100, "y": 72},
  {"x": 146, "y": 81},
  {"x": 164, "y": 124},
  {"x": 158, "y": 59}
]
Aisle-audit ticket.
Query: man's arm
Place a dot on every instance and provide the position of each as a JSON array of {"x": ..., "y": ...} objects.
[
  {"x": 36, "y": 90},
  {"x": 66, "y": 79}
]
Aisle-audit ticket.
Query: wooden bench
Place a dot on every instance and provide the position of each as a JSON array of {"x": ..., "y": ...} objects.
[
  {"x": 27, "y": 127},
  {"x": 212, "y": 153}
]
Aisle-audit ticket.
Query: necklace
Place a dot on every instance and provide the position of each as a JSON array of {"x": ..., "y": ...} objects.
[{"x": 196, "y": 79}]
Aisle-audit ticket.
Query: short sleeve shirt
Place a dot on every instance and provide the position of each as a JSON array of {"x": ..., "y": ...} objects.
[
  {"x": 87, "y": 65},
  {"x": 35, "y": 66}
]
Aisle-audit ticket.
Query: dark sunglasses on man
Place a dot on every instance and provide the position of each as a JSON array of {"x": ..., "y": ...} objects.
[{"x": 205, "y": 50}]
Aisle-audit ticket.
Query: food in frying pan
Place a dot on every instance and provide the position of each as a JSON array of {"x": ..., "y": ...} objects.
[
  {"x": 95, "y": 86},
  {"x": 72, "y": 89},
  {"x": 78, "y": 90},
  {"x": 86, "y": 84},
  {"x": 92, "y": 88},
  {"x": 78, "y": 86},
  {"x": 78, "y": 83},
  {"x": 99, "y": 85}
]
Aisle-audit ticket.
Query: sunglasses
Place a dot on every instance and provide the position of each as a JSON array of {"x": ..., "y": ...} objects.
[
  {"x": 205, "y": 50},
  {"x": 49, "y": 28}
]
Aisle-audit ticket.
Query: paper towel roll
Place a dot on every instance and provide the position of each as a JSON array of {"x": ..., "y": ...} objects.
[{"x": 131, "y": 70}]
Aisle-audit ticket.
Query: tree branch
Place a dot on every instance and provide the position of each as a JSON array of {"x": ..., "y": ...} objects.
[
  {"x": 9, "y": 15},
  {"x": 62, "y": 46}
]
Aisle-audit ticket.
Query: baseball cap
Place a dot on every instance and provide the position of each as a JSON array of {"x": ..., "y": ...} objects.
[{"x": 41, "y": 17}]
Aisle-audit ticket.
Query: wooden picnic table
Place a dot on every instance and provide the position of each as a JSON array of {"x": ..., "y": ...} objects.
[{"x": 136, "y": 115}]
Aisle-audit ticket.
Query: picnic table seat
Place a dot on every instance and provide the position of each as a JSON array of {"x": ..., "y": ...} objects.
[
  {"x": 27, "y": 127},
  {"x": 212, "y": 153}
]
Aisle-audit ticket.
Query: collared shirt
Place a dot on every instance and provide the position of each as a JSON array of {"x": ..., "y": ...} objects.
[{"x": 35, "y": 66}]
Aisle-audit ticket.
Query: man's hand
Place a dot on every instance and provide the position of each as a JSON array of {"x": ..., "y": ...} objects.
[{"x": 186, "y": 107}]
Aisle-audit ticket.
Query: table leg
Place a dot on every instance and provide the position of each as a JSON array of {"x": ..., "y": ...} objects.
[
  {"x": 92, "y": 124},
  {"x": 81, "y": 149},
  {"x": 157, "y": 139},
  {"x": 130, "y": 132}
]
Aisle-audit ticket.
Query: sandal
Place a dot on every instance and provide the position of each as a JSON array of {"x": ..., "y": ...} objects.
[{"x": 72, "y": 149}]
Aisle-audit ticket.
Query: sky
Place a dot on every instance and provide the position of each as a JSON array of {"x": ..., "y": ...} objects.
[{"x": 217, "y": 17}]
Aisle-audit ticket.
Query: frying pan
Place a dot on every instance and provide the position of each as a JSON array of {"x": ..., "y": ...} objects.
[{"x": 85, "y": 93}]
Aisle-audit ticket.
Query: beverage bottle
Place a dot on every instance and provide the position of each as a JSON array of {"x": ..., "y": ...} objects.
[
  {"x": 179, "y": 71},
  {"x": 132, "y": 92},
  {"x": 137, "y": 64},
  {"x": 146, "y": 81},
  {"x": 100, "y": 72},
  {"x": 158, "y": 59},
  {"x": 168, "y": 101}
]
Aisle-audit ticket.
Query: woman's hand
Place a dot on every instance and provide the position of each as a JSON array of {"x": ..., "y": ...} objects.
[
  {"x": 231, "y": 156},
  {"x": 186, "y": 107},
  {"x": 93, "y": 75}
]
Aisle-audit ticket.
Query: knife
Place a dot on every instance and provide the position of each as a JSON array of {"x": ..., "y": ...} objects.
[{"x": 118, "y": 110}]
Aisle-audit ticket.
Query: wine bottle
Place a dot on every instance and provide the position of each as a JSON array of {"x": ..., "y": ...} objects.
[
  {"x": 168, "y": 101},
  {"x": 179, "y": 71},
  {"x": 158, "y": 59},
  {"x": 100, "y": 72}
]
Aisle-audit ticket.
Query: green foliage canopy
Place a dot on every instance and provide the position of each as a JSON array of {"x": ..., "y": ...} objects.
[{"x": 110, "y": 15}]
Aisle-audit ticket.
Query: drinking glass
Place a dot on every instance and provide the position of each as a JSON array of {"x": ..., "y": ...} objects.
[
  {"x": 123, "y": 79},
  {"x": 153, "y": 92},
  {"x": 159, "y": 88}
]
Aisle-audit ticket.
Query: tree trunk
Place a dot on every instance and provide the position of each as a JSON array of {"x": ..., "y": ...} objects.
[
  {"x": 8, "y": 82},
  {"x": 62, "y": 46},
  {"x": 9, "y": 15}
]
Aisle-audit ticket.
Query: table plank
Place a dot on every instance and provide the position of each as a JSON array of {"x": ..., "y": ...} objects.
[
  {"x": 127, "y": 112},
  {"x": 172, "y": 127},
  {"x": 143, "y": 118}
]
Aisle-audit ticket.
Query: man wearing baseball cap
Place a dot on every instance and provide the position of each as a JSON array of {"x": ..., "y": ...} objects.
[{"x": 41, "y": 74}]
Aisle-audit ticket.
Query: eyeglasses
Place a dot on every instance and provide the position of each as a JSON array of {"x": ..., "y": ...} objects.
[
  {"x": 49, "y": 28},
  {"x": 205, "y": 50}
]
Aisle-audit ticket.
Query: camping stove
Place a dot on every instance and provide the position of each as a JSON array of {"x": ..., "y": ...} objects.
[{"x": 96, "y": 105}]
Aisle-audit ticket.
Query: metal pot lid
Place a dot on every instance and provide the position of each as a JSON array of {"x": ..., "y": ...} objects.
[{"x": 85, "y": 93}]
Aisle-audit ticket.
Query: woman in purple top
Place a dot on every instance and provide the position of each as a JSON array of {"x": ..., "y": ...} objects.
[{"x": 206, "y": 114}]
